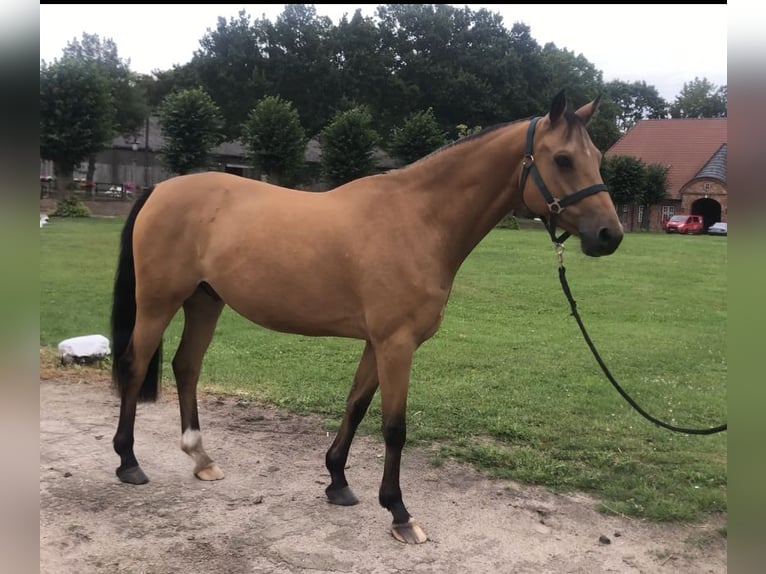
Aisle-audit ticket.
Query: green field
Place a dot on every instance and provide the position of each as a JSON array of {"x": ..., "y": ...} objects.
[{"x": 508, "y": 383}]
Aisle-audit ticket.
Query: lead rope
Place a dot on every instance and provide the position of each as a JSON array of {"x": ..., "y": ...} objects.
[{"x": 573, "y": 305}]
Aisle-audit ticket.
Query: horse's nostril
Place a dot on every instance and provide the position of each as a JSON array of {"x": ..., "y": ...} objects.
[{"x": 610, "y": 237}]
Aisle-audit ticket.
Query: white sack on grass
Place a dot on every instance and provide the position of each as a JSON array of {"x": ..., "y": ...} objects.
[{"x": 85, "y": 346}]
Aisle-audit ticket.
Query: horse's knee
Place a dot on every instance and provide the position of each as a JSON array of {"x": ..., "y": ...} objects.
[{"x": 395, "y": 432}]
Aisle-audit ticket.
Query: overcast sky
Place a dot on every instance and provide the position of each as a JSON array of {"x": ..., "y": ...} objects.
[{"x": 664, "y": 45}]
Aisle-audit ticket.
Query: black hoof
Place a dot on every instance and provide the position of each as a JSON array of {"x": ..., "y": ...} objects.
[
  {"x": 341, "y": 496},
  {"x": 132, "y": 475}
]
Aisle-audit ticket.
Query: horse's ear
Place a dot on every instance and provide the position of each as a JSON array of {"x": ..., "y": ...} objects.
[
  {"x": 558, "y": 106},
  {"x": 587, "y": 112}
]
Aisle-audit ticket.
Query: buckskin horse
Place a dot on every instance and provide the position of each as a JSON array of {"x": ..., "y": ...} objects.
[{"x": 373, "y": 259}]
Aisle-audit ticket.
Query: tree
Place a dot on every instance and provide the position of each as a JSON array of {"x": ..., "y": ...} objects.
[
  {"x": 365, "y": 71},
  {"x": 160, "y": 83},
  {"x": 635, "y": 101},
  {"x": 347, "y": 145},
  {"x": 232, "y": 67},
  {"x": 275, "y": 138},
  {"x": 459, "y": 62},
  {"x": 583, "y": 82},
  {"x": 533, "y": 95},
  {"x": 191, "y": 125},
  {"x": 301, "y": 55},
  {"x": 624, "y": 175},
  {"x": 417, "y": 137},
  {"x": 655, "y": 188},
  {"x": 126, "y": 95},
  {"x": 700, "y": 99},
  {"x": 76, "y": 116}
]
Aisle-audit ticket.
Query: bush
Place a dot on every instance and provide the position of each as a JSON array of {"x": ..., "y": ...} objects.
[
  {"x": 70, "y": 206},
  {"x": 347, "y": 145},
  {"x": 508, "y": 222}
]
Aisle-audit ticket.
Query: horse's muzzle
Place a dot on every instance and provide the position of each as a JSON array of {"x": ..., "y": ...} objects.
[{"x": 603, "y": 241}]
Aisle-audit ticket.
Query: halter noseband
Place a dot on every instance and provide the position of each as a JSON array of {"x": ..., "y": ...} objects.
[{"x": 555, "y": 206}]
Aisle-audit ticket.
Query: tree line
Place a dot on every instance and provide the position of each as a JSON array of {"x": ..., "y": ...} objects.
[{"x": 409, "y": 80}]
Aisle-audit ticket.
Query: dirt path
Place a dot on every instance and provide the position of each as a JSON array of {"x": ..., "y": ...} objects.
[{"x": 269, "y": 514}]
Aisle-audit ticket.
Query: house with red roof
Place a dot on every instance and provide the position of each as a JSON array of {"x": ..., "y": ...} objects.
[{"x": 694, "y": 151}]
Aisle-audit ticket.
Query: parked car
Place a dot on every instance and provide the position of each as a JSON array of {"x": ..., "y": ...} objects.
[
  {"x": 720, "y": 228},
  {"x": 684, "y": 224}
]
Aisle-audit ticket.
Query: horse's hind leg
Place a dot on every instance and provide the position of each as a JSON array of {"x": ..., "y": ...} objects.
[
  {"x": 359, "y": 398},
  {"x": 201, "y": 313},
  {"x": 133, "y": 366}
]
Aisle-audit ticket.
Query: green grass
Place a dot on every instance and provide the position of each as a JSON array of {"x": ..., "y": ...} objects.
[{"x": 508, "y": 383}]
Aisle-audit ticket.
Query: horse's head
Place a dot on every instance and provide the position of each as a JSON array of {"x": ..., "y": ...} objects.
[{"x": 564, "y": 186}]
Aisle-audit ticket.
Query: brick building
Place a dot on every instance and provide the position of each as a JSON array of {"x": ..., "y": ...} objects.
[{"x": 695, "y": 151}]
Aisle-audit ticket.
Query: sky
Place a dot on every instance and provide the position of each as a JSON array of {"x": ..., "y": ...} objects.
[{"x": 663, "y": 45}]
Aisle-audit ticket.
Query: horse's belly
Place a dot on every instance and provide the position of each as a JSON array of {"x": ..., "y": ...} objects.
[{"x": 298, "y": 308}]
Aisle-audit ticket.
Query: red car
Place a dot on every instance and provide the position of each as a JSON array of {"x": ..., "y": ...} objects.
[{"x": 684, "y": 224}]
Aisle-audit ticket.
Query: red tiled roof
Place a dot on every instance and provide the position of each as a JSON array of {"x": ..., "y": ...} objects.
[{"x": 686, "y": 145}]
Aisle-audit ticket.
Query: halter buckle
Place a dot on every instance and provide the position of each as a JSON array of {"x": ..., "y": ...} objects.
[
  {"x": 528, "y": 157},
  {"x": 554, "y": 206}
]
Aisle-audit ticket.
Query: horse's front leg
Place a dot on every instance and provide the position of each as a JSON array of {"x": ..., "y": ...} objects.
[
  {"x": 362, "y": 391},
  {"x": 394, "y": 358}
]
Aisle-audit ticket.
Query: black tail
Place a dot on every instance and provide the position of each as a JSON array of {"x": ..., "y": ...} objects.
[{"x": 124, "y": 316}]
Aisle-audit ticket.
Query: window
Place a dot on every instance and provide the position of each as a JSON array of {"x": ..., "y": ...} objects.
[
  {"x": 668, "y": 211},
  {"x": 640, "y": 213},
  {"x": 706, "y": 186}
]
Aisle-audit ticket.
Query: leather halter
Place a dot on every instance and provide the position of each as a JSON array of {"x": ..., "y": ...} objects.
[{"x": 555, "y": 205}]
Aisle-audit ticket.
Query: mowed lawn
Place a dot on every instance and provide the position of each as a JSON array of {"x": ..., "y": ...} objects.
[{"x": 508, "y": 382}]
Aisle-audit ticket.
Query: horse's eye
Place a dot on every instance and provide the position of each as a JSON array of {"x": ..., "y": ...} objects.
[{"x": 563, "y": 161}]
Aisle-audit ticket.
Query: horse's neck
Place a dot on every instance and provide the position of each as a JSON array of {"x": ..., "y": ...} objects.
[{"x": 469, "y": 188}]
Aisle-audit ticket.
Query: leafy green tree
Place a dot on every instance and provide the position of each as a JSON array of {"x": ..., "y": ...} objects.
[
  {"x": 76, "y": 116},
  {"x": 603, "y": 129},
  {"x": 700, "y": 98},
  {"x": 625, "y": 176},
  {"x": 417, "y": 137},
  {"x": 533, "y": 95},
  {"x": 347, "y": 146},
  {"x": 275, "y": 139},
  {"x": 636, "y": 101},
  {"x": 580, "y": 77},
  {"x": 160, "y": 83},
  {"x": 301, "y": 70},
  {"x": 457, "y": 61},
  {"x": 364, "y": 71},
  {"x": 130, "y": 106},
  {"x": 231, "y": 65},
  {"x": 655, "y": 188},
  {"x": 191, "y": 125},
  {"x": 127, "y": 98},
  {"x": 583, "y": 82}
]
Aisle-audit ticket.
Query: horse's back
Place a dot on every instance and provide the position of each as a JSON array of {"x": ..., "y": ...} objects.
[{"x": 278, "y": 256}]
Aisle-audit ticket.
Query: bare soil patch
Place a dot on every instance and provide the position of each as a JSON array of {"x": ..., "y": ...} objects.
[{"x": 270, "y": 515}]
